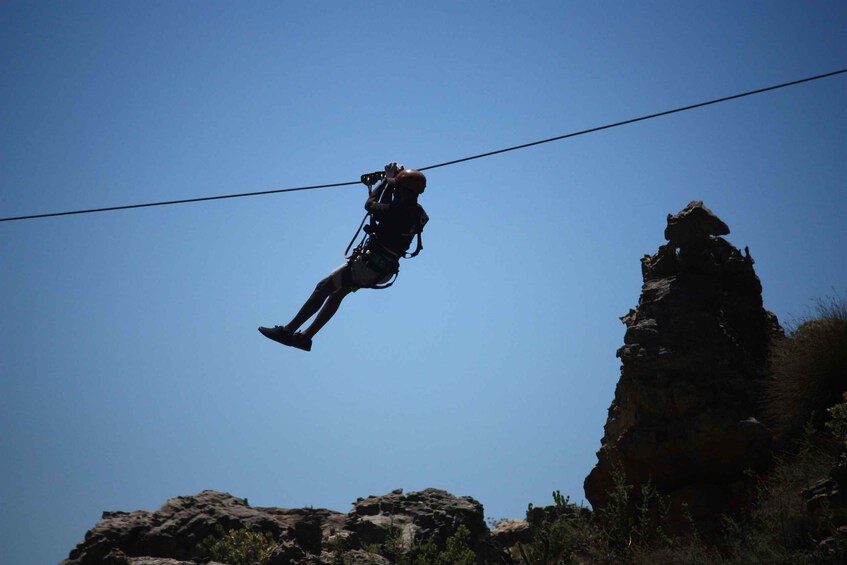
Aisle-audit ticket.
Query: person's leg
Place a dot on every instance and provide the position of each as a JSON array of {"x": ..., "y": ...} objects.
[
  {"x": 322, "y": 291},
  {"x": 326, "y": 313}
]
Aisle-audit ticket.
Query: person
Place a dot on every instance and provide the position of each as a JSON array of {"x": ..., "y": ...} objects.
[{"x": 397, "y": 219}]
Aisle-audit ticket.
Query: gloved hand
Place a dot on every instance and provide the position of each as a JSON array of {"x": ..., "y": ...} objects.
[{"x": 392, "y": 169}]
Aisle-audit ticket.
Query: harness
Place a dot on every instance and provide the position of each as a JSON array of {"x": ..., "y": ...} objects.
[{"x": 375, "y": 255}]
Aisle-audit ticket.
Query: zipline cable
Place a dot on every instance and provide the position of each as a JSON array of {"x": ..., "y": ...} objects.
[
  {"x": 185, "y": 201},
  {"x": 445, "y": 164},
  {"x": 640, "y": 119}
]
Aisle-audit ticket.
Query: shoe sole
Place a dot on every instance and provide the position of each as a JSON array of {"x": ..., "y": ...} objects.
[{"x": 285, "y": 340}]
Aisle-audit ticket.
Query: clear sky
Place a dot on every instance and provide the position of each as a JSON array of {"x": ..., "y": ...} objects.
[{"x": 131, "y": 370}]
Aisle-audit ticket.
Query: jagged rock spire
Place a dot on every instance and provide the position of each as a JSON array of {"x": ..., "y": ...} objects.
[{"x": 684, "y": 416}]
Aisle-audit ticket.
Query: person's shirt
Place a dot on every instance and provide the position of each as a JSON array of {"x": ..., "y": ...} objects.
[{"x": 397, "y": 221}]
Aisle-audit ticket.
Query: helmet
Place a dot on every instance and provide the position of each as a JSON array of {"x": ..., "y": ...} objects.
[{"x": 411, "y": 179}]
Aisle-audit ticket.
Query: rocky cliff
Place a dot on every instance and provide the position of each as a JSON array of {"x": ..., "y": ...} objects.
[{"x": 685, "y": 416}]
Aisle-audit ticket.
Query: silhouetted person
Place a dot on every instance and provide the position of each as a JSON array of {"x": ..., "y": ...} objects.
[{"x": 393, "y": 204}]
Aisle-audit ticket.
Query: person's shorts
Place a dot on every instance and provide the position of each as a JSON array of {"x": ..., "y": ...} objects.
[{"x": 355, "y": 274}]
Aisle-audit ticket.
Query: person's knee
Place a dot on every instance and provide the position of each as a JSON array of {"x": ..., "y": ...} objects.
[
  {"x": 325, "y": 287},
  {"x": 340, "y": 293}
]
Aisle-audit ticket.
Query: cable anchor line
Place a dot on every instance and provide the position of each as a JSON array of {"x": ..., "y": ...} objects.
[{"x": 447, "y": 163}]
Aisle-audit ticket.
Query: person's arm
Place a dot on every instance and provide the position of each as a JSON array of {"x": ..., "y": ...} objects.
[{"x": 379, "y": 199}]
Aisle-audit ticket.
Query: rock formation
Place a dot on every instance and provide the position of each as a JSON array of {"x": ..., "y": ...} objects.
[
  {"x": 684, "y": 416},
  {"x": 430, "y": 514},
  {"x": 171, "y": 534}
]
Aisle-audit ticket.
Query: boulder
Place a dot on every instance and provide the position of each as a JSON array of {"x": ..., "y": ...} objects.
[
  {"x": 508, "y": 533},
  {"x": 826, "y": 501},
  {"x": 356, "y": 557},
  {"x": 429, "y": 514},
  {"x": 175, "y": 530},
  {"x": 693, "y": 225},
  {"x": 685, "y": 416},
  {"x": 118, "y": 557}
]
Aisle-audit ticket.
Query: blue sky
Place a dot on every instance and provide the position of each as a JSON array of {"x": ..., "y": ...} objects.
[{"x": 131, "y": 370}]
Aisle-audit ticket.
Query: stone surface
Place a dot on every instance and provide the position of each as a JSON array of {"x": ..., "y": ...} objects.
[
  {"x": 118, "y": 557},
  {"x": 686, "y": 407},
  {"x": 429, "y": 514},
  {"x": 510, "y": 532},
  {"x": 356, "y": 557},
  {"x": 695, "y": 224},
  {"x": 171, "y": 534},
  {"x": 162, "y": 561},
  {"x": 174, "y": 530},
  {"x": 826, "y": 501}
]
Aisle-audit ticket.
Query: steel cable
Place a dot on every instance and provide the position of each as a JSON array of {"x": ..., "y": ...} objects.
[{"x": 446, "y": 163}]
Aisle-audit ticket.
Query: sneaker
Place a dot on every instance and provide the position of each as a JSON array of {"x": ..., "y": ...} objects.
[
  {"x": 278, "y": 334},
  {"x": 301, "y": 341},
  {"x": 285, "y": 337}
]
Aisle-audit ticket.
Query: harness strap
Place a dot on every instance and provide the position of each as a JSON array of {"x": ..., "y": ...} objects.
[
  {"x": 417, "y": 250},
  {"x": 386, "y": 285},
  {"x": 380, "y": 259},
  {"x": 347, "y": 254}
]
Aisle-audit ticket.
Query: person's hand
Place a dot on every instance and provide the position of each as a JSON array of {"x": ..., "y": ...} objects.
[{"x": 392, "y": 169}]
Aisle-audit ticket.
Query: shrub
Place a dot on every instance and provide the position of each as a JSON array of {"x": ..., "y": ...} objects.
[
  {"x": 837, "y": 424},
  {"x": 337, "y": 545},
  {"x": 237, "y": 547},
  {"x": 777, "y": 530},
  {"x": 458, "y": 550},
  {"x": 558, "y": 534},
  {"x": 779, "y": 527},
  {"x": 425, "y": 553},
  {"x": 809, "y": 370}
]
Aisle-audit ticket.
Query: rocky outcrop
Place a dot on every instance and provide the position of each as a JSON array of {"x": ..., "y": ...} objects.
[
  {"x": 685, "y": 413},
  {"x": 171, "y": 535},
  {"x": 508, "y": 533},
  {"x": 431, "y": 514},
  {"x": 176, "y": 529}
]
